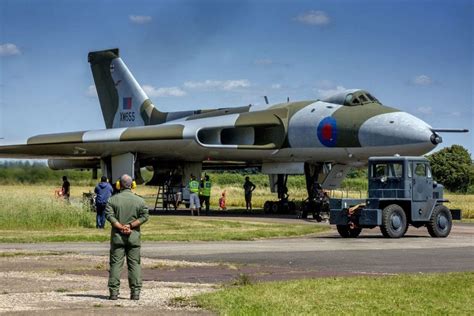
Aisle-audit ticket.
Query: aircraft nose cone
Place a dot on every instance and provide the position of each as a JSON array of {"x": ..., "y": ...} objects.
[{"x": 398, "y": 129}]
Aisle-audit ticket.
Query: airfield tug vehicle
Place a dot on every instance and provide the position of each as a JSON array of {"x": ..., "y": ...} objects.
[{"x": 401, "y": 192}]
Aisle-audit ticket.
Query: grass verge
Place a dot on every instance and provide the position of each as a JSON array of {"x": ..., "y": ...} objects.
[
  {"x": 445, "y": 294},
  {"x": 169, "y": 228}
]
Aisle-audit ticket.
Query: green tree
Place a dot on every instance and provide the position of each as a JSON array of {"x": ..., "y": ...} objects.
[{"x": 452, "y": 167}]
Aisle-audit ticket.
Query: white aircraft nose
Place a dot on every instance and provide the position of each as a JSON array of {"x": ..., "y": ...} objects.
[{"x": 397, "y": 128}]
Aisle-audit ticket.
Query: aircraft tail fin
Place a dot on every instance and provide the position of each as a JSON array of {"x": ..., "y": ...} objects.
[{"x": 122, "y": 99}]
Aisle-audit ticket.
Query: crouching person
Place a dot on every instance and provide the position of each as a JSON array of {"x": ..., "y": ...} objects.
[{"x": 126, "y": 212}]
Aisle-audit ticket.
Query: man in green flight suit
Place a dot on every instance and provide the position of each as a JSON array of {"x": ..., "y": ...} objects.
[{"x": 126, "y": 212}]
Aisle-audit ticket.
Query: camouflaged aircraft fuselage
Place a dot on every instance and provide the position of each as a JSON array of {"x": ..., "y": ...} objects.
[{"x": 346, "y": 128}]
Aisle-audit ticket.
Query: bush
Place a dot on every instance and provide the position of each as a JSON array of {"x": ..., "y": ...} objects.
[{"x": 452, "y": 167}]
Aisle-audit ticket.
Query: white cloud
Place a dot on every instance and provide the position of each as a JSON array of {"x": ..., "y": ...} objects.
[
  {"x": 314, "y": 18},
  {"x": 263, "y": 62},
  {"x": 163, "y": 91},
  {"x": 9, "y": 49},
  {"x": 91, "y": 91},
  {"x": 325, "y": 92},
  {"x": 140, "y": 19},
  {"x": 426, "y": 110},
  {"x": 276, "y": 86},
  {"x": 456, "y": 113},
  {"x": 226, "y": 85},
  {"x": 422, "y": 80}
]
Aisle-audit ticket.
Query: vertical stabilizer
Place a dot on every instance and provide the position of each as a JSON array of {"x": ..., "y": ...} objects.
[{"x": 123, "y": 101}]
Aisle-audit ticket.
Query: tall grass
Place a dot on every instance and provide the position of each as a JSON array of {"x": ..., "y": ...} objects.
[{"x": 30, "y": 208}]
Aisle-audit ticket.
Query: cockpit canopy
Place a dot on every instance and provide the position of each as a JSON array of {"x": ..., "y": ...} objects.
[{"x": 352, "y": 98}]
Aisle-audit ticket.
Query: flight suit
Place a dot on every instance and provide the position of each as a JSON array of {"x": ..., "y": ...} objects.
[{"x": 125, "y": 208}]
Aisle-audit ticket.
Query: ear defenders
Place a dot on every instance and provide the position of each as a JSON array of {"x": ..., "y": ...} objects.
[{"x": 119, "y": 187}]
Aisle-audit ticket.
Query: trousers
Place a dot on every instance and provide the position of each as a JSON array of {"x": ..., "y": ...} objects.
[
  {"x": 100, "y": 217},
  {"x": 122, "y": 246}
]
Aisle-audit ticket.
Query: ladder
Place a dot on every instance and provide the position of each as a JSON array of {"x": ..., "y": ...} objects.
[
  {"x": 165, "y": 197},
  {"x": 160, "y": 198}
]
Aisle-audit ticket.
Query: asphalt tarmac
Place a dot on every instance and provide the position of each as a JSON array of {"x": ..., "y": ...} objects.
[{"x": 322, "y": 255}]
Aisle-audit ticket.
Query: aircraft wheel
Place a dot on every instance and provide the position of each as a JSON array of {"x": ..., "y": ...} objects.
[
  {"x": 304, "y": 212},
  {"x": 347, "y": 232},
  {"x": 275, "y": 207},
  {"x": 394, "y": 221},
  {"x": 440, "y": 222},
  {"x": 291, "y": 207},
  {"x": 186, "y": 205},
  {"x": 267, "y": 207}
]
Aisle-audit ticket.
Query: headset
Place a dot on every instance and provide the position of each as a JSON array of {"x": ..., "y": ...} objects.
[{"x": 119, "y": 187}]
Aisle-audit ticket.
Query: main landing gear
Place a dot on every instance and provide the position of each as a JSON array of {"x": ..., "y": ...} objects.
[{"x": 282, "y": 205}]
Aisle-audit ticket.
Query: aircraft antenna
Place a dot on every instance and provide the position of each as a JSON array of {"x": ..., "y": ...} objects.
[{"x": 266, "y": 99}]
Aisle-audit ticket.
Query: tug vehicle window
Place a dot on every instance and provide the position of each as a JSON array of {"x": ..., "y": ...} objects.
[
  {"x": 387, "y": 170},
  {"x": 420, "y": 169}
]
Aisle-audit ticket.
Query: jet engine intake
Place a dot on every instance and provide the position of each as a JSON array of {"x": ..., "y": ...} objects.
[{"x": 251, "y": 137}]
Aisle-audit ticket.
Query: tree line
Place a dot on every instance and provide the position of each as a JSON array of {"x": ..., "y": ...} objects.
[{"x": 451, "y": 166}]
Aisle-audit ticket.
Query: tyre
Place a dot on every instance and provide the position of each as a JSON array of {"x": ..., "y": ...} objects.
[
  {"x": 347, "y": 232},
  {"x": 275, "y": 207},
  {"x": 291, "y": 207},
  {"x": 317, "y": 217},
  {"x": 394, "y": 221},
  {"x": 440, "y": 222},
  {"x": 267, "y": 207}
]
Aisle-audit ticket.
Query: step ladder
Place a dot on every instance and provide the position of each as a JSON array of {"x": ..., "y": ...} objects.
[{"x": 165, "y": 197}]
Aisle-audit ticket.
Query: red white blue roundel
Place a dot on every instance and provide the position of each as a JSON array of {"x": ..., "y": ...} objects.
[{"x": 327, "y": 132}]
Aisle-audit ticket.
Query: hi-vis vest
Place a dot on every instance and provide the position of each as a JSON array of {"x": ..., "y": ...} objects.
[
  {"x": 206, "y": 189},
  {"x": 194, "y": 186}
]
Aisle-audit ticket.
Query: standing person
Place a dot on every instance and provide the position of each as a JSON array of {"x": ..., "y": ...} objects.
[
  {"x": 248, "y": 189},
  {"x": 126, "y": 212},
  {"x": 103, "y": 192},
  {"x": 206, "y": 192},
  {"x": 222, "y": 205},
  {"x": 66, "y": 189},
  {"x": 194, "y": 204}
]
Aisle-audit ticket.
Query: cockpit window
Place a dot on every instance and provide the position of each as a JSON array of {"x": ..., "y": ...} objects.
[
  {"x": 348, "y": 98},
  {"x": 351, "y": 98},
  {"x": 363, "y": 98},
  {"x": 372, "y": 98}
]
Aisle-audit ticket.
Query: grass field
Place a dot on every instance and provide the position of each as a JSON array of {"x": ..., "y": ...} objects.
[
  {"x": 422, "y": 294},
  {"x": 32, "y": 214}
]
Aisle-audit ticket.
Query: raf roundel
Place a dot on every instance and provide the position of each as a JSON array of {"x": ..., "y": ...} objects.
[{"x": 327, "y": 132}]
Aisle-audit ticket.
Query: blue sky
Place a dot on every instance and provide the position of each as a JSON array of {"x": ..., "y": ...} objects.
[{"x": 414, "y": 55}]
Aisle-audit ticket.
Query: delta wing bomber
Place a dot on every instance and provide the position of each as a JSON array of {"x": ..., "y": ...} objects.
[{"x": 319, "y": 138}]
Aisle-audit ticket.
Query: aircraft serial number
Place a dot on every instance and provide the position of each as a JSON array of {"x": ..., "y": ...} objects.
[{"x": 127, "y": 116}]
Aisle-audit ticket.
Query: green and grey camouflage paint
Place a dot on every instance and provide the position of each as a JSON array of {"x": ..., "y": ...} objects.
[{"x": 347, "y": 127}]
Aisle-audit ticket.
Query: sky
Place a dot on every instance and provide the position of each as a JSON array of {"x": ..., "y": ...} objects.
[{"x": 416, "y": 56}]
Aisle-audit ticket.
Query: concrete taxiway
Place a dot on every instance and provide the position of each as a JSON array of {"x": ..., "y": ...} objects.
[{"x": 321, "y": 255}]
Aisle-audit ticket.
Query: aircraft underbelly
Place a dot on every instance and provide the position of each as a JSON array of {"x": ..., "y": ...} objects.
[{"x": 189, "y": 150}]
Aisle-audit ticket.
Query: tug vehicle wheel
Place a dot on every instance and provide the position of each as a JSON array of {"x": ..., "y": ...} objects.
[
  {"x": 394, "y": 221},
  {"x": 347, "y": 232},
  {"x": 440, "y": 222}
]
